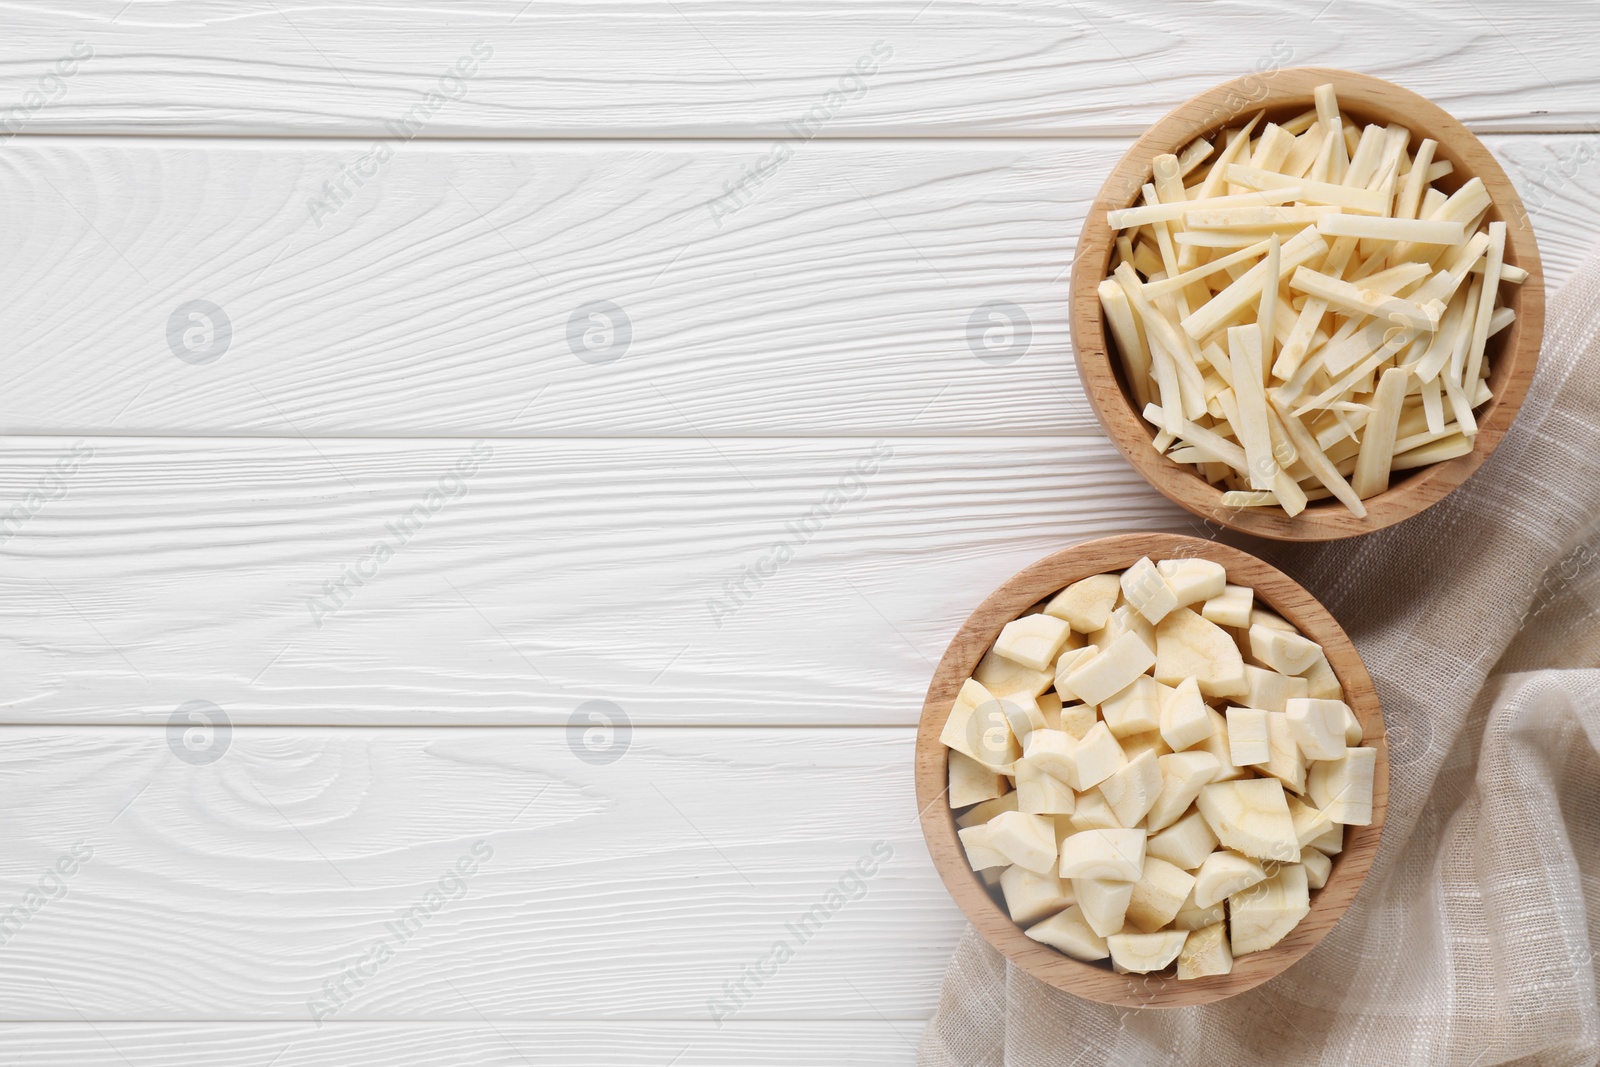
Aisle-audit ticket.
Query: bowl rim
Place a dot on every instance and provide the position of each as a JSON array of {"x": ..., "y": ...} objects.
[
  {"x": 1275, "y": 91},
  {"x": 1014, "y": 597}
]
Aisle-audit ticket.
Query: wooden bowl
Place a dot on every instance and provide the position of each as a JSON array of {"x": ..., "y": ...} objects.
[
  {"x": 1282, "y": 94},
  {"x": 1097, "y": 981}
]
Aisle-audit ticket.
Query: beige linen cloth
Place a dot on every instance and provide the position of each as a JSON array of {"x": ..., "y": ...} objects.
[{"x": 1473, "y": 940}]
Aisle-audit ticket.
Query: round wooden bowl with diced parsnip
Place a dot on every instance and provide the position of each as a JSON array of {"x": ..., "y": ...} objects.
[
  {"x": 1387, "y": 494},
  {"x": 986, "y": 909}
]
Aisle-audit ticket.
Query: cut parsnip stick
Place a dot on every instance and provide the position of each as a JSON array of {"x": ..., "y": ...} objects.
[
  {"x": 1491, "y": 286},
  {"x": 1317, "y": 463},
  {"x": 1377, "y": 442},
  {"x": 1254, "y": 218},
  {"x": 1368, "y": 201},
  {"x": 1127, "y": 218},
  {"x": 1338, "y": 224},
  {"x": 1244, "y": 350},
  {"x": 1416, "y": 181},
  {"x": 1204, "y": 271},
  {"x": 1343, "y": 294},
  {"x": 1129, "y": 336},
  {"x": 1299, "y": 249}
]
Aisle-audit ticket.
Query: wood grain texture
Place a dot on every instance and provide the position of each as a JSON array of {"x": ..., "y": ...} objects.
[
  {"x": 1512, "y": 354},
  {"x": 1095, "y": 981},
  {"x": 696, "y": 67},
  {"x": 836, "y": 1042},
  {"x": 559, "y": 572},
  {"x": 839, "y": 301},
  {"x": 641, "y": 889}
]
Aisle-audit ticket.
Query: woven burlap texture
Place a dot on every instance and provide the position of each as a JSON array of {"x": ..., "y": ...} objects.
[{"x": 1473, "y": 940}]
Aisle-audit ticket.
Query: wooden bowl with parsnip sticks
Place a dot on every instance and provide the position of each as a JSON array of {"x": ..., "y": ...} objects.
[
  {"x": 1348, "y": 837},
  {"x": 1389, "y": 374}
]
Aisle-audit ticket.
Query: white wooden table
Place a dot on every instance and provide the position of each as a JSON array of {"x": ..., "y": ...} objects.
[{"x": 704, "y": 360}]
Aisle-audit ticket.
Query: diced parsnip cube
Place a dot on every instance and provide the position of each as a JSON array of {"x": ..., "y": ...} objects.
[
  {"x": 1284, "y": 761},
  {"x": 1050, "y": 708},
  {"x": 1095, "y": 758},
  {"x": 1143, "y": 953},
  {"x": 1158, "y": 894},
  {"x": 1116, "y": 855},
  {"x": 1031, "y": 896},
  {"x": 1146, "y": 591},
  {"x": 971, "y": 781},
  {"x": 1026, "y": 840},
  {"x": 1115, "y": 667},
  {"x": 1309, "y": 823},
  {"x": 1188, "y": 646},
  {"x": 1251, "y": 816},
  {"x": 1136, "y": 709},
  {"x": 1103, "y": 902},
  {"x": 1205, "y": 953},
  {"x": 1042, "y": 793},
  {"x": 1231, "y": 608},
  {"x": 1319, "y": 727},
  {"x": 1269, "y": 690},
  {"x": 1282, "y": 650},
  {"x": 1343, "y": 787},
  {"x": 1186, "y": 843},
  {"x": 1124, "y": 619},
  {"x": 982, "y": 813},
  {"x": 1069, "y": 932},
  {"x": 1247, "y": 736},
  {"x": 1223, "y": 874},
  {"x": 1216, "y": 743},
  {"x": 1133, "y": 788},
  {"x": 1331, "y": 843},
  {"x": 1184, "y": 722},
  {"x": 1260, "y": 616},
  {"x": 981, "y": 852},
  {"x": 1023, "y": 715},
  {"x": 1193, "y": 917},
  {"x": 1077, "y": 720},
  {"x": 1193, "y": 580},
  {"x": 1086, "y": 604},
  {"x": 1069, "y": 660},
  {"x": 1321, "y": 682},
  {"x": 1033, "y": 641},
  {"x": 1135, "y": 745},
  {"x": 1183, "y": 774},
  {"x": 1002, "y": 677},
  {"x": 1260, "y": 916},
  {"x": 1317, "y": 866},
  {"x": 1352, "y": 728},
  {"x": 978, "y": 727},
  {"x": 1093, "y": 813}
]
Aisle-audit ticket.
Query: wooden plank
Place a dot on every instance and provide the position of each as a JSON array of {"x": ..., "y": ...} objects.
[
  {"x": 467, "y": 874},
  {"x": 837, "y": 1042},
  {"x": 851, "y": 296},
  {"x": 732, "y": 581},
  {"x": 697, "y": 67}
]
